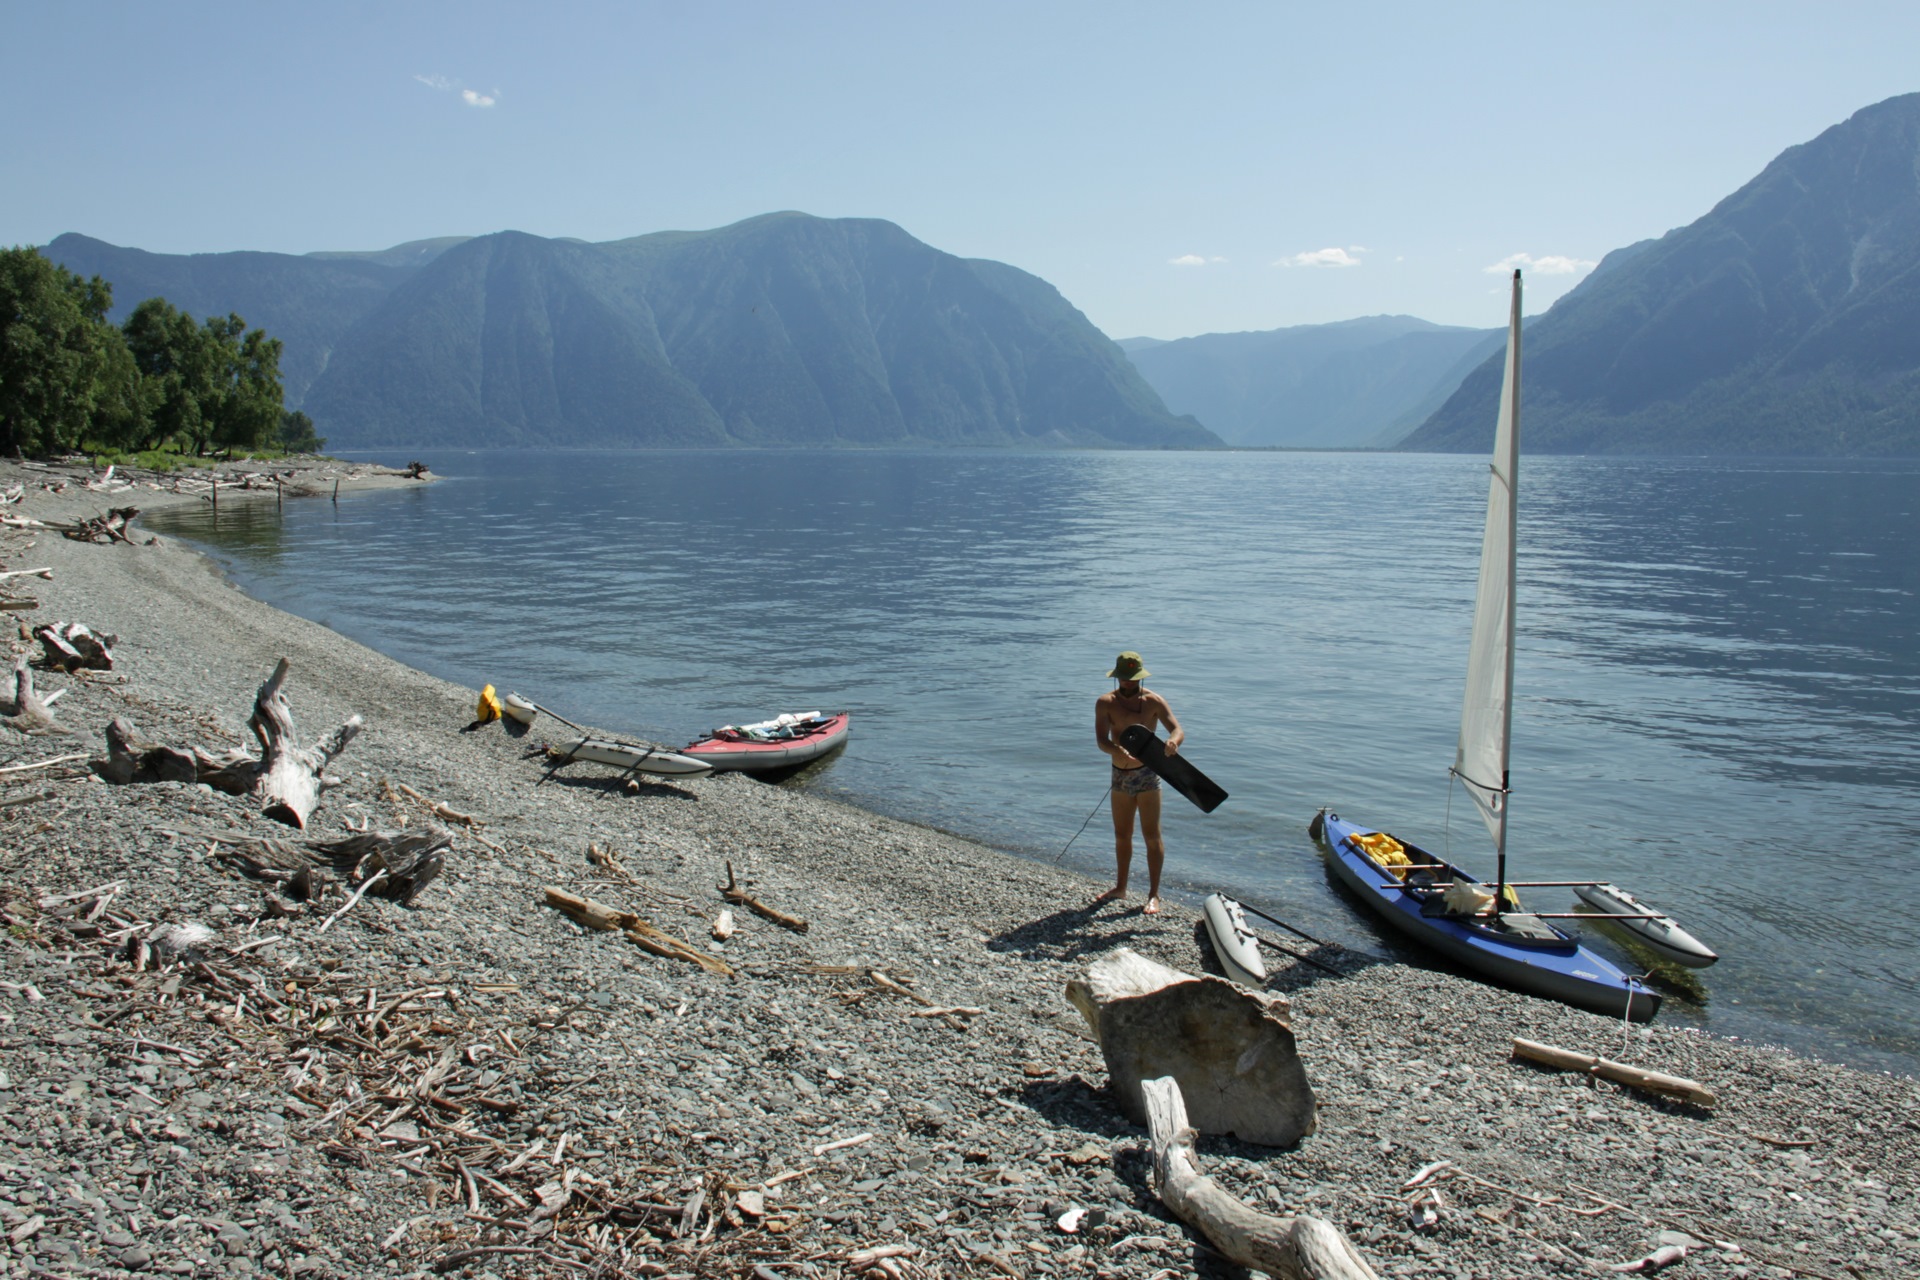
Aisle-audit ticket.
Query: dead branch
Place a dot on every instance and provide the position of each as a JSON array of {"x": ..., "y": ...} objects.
[
  {"x": 1638, "y": 1077},
  {"x": 1300, "y": 1248},
  {"x": 637, "y": 931},
  {"x": 732, "y": 892}
]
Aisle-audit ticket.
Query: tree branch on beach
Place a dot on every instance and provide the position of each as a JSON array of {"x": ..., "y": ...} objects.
[{"x": 1300, "y": 1248}]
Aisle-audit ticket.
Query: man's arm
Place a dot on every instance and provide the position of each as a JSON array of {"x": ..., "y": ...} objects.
[{"x": 1175, "y": 734}]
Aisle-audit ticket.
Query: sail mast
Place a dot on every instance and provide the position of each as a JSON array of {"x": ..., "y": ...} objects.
[{"x": 1486, "y": 714}]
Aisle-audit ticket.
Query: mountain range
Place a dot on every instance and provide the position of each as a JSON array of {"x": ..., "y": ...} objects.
[
  {"x": 783, "y": 329},
  {"x": 1786, "y": 321},
  {"x": 1358, "y": 383}
]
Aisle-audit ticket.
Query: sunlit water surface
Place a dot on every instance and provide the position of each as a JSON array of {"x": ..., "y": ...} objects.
[{"x": 1718, "y": 684}]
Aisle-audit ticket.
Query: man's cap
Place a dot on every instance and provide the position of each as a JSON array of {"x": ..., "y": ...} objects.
[{"x": 1129, "y": 666}]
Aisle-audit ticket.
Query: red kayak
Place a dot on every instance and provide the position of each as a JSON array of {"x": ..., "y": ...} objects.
[{"x": 784, "y": 742}]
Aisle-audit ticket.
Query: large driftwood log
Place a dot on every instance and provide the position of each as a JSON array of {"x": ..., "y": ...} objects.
[
  {"x": 1302, "y": 1248},
  {"x": 1231, "y": 1049},
  {"x": 287, "y": 778}
]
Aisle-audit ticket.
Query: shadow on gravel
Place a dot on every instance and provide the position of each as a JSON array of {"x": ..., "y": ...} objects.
[
  {"x": 618, "y": 786},
  {"x": 1065, "y": 935}
]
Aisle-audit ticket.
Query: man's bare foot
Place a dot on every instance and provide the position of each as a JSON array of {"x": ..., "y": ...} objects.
[
  {"x": 1111, "y": 895},
  {"x": 1153, "y": 906}
]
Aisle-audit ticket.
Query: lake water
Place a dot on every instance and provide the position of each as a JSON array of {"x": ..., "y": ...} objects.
[{"x": 1718, "y": 685}]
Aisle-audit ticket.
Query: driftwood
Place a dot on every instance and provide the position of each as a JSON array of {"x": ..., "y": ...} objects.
[
  {"x": 112, "y": 527},
  {"x": 132, "y": 758},
  {"x": 1638, "y": 1077},
  {"x": 71, "y": 646},
  {"x": 1301, "y": 1248},
  {"x": 643, "y": 935},
  {"x": 1230, "y": 1049},
  {"x": 31, "y": 713},
  {"x": 733, "y": 893},
  {"x": 392, "y": 864},
  {"x": 287, "y": 779}
]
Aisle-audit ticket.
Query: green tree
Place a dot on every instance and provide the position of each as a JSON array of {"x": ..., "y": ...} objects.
[
  {"x": 176, "y": 367},
  {"x": 297, "y": 434},
  {"x": 64, "y": 371},
  {"x": 245, "y": 412}
]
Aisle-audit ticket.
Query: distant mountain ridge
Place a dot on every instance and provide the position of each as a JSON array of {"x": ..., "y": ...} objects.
[
  {"x": 1355, "y": 383},
  {"x": 783, "y": 329},
  {"x": 1785, "y": 321}
]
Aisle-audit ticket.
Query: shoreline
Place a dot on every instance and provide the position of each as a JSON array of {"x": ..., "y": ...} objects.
[{"x": 661, "y": 1076}]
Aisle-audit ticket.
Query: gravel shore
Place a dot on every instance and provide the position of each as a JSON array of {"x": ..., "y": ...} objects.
[{"x": 477, "y": 1085}]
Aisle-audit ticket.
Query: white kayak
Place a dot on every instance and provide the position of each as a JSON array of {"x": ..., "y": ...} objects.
[
  {"x": 633, "y": 757},
  {"x": 518, "y": 708},
  {"x": 1654, "y": 928},
  {"x": 1237, "y": 946}
]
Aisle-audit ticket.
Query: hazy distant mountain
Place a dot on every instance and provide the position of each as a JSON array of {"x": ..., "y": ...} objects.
[
  {"x": 1785, "y": 321},
  {"x": 414, "y": 253},
  {"x": 306, "y": 302},
  {"x": 784, "y": 329},
  {"x": 1355, "y": 383}
]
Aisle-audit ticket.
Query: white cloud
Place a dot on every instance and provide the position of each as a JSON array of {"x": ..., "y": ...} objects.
[
  {"x": 1552, "y": 265},
  {"x": 1193, "y": 260},
  {"x": 1346, "y": 257},
  {"x": 472, "y": 97}
]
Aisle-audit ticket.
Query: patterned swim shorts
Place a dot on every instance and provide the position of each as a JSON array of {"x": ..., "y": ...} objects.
[{"x": 1135, "y": 781}]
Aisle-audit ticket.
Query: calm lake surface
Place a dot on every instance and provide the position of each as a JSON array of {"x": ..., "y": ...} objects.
[{"x": 1718, "y": 683}]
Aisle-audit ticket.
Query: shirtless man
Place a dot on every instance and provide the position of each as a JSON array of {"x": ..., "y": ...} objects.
[{"x": 1136, "y": 788}]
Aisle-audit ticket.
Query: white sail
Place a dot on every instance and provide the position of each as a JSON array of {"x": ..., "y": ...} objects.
[{"x": 1486, "y": 715}]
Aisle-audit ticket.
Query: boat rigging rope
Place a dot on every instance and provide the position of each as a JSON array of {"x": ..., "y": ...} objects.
[{"x": 1083, "y": 826}]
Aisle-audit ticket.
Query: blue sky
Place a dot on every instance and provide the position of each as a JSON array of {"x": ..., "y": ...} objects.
[{"x": 1173, "y": 169}]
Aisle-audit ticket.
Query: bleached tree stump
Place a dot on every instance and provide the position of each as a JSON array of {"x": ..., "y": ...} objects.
[
  {"x": 1230, "y": 1049},
  {"x": 30, "y": 713},
  {"x": 287, "y": 779},
  {"x": 1300, "y": 1248}
]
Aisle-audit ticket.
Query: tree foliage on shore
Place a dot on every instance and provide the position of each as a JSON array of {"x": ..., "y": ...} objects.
[{"x": 70, "y": 380}]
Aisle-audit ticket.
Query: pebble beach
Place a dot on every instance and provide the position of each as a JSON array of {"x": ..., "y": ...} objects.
[{"x": 475, "y": 1084}]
